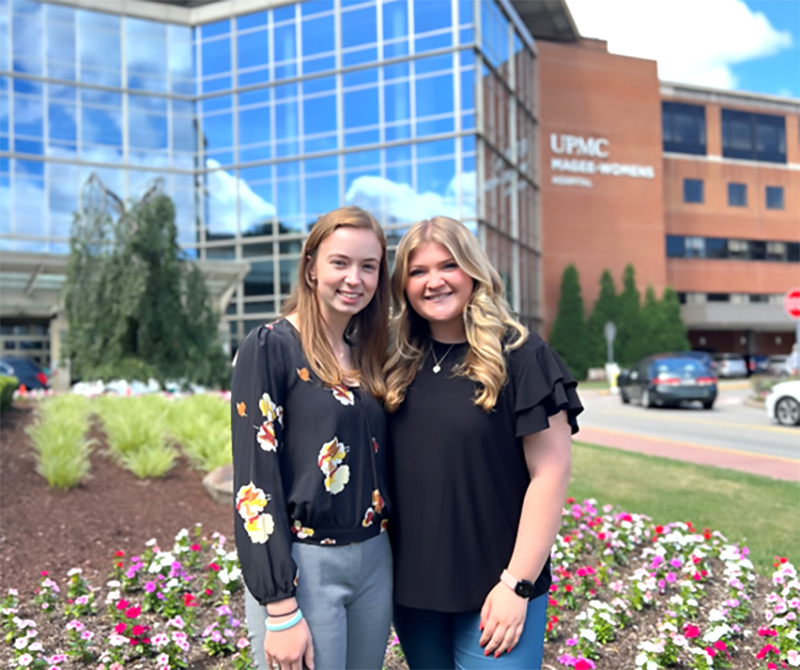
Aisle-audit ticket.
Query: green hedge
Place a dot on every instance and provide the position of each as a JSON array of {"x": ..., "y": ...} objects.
[{"x": 7, "y": 387}]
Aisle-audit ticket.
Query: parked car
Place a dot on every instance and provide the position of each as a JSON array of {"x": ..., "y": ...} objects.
[
  {"x": 703, "y": 356},
  {"x": 668, "y": 380},
  {"x": 26, "y": 371},
  {"x": 758, "y": 364},
  {"x": 783, "y": 403},
  {"x": 731, "y": 365},
  {"x": 778, "y": 365}
]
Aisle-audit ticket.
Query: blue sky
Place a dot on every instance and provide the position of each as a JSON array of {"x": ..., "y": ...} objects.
[
  {"x": 778, "y": 74},
  {"x": 747, "y": 45}
]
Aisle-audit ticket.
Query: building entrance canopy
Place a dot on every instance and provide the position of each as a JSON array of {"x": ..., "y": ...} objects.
[{"x": 30, "y": 284}]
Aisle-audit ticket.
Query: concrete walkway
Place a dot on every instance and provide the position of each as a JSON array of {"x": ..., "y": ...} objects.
[{"x": 768, "y": 466}]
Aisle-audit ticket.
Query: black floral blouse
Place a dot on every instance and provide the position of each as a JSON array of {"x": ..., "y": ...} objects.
[{"x": 308, "y": 462}]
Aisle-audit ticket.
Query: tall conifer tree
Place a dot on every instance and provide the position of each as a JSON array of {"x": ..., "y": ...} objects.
[
  {"x": 568, "y": 335},
  {"x": 630, "y": 335},
  {"x": 605, "y": 310}
]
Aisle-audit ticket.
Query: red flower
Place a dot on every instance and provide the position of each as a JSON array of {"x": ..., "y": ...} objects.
[
  {"x": 119, "y": 564},
  {"x": 690, "y": 632},
  {"x": 549, "y": 626},
  {"x": 568, "y": 588},
  {"x": 195, "y": 547},
  {"x": 122, "y": 604},
  {"x": 583, "y": 664},
  {"x": 552, "y": 602},
  {"x": 553, "y": 588},
  {"x": 133, "y": 612},
  {"x": 554, "y": 619},
  {"x": 766, "y": 649},
  {"x": 189, "y": 600},
  {"x": 763, "y": 631},
  {"x": 625, "y": 517},
  {"x": 695, "y": 560},
  {"x": 601, "y": 536},
  {"x": 570, "y": 501},
  {"x": 120, "y": 628},
  {"x": 783, "y": 559},
  {"x": 119, "y": 554},
  {"x": 214, "y": 567},
  {"x": 137, "y": 630},
  {"x": 659, "y": 529},
  {"x": 567, "y": 539},
  {"x": 772, "y": 666},
  {"x": 44, "y": 573},
  {"x": 720, "y": 645},
  {"x": 711, "y": 652},
  {"x": 209, "y": 592}
]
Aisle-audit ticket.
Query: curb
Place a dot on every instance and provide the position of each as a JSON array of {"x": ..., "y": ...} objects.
[{"x": 752, "y": 402}]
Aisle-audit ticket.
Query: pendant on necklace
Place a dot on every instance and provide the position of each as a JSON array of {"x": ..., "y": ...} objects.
[{"x": 436, "y": 368}]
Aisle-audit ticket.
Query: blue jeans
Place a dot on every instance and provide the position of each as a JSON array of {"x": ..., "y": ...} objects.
[
  {"x": 345, "y": 593},
  {"x": 443, "y": 641}
]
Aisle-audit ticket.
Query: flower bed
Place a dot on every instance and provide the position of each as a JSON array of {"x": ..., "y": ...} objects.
[{"x": 626, "y": 594}]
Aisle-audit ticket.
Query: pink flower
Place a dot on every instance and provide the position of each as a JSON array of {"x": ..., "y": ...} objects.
[
  {"x": 763, "y": 631},
  {"x": 720, "y": 645},
  {"x": 572, "y": 642},
  {"x": 690, "y": 631},
  {"x": 244, "y": 642}
]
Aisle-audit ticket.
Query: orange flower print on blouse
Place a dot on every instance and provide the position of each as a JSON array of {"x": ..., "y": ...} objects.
[
  {"x": 266, "y": 431},
  {"x": 369, "y": 516},
  {"x": 377, "y": 501},
  {"x": 328, "y": 540},
  {"x": 384, "y": 523},
  {"x": 250, "y": 503},
  {"x": 303, "y": 374},
  {"x": 241, "y": 408},
  {"x": 343, "y": 394},
  {"x": 301, "y": 532},
  {"x": 330, "y": 462}
]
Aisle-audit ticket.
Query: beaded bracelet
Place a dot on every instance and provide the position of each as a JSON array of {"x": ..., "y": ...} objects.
[{"x": 277, "y": 627}]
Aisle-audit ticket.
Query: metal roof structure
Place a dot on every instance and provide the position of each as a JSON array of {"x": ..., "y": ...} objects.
[{"x": 30, "y": 284}]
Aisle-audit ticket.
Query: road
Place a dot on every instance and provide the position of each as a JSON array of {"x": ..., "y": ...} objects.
[{"x": 731, "y": 435}]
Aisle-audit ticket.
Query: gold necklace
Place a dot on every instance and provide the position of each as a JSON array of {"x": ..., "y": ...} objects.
[{"x": 438, "y": 362}]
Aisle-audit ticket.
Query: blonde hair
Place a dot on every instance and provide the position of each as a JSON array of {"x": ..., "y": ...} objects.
[
  {"x": 490, "y": 328},
  {"x": 367, "y": 331}
]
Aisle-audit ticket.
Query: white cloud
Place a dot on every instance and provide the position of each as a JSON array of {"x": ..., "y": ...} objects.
[
  {"x": 390, "y": 201},
  {"x": 693, "y": 41}
]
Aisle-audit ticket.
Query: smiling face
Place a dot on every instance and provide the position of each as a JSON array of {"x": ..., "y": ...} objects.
[
  {"x": 438, "y": 290},
  {"x": 346, "y": 270}
]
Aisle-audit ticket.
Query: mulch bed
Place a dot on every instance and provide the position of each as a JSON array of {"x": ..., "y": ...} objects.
[{"x": 44, "y": 529}]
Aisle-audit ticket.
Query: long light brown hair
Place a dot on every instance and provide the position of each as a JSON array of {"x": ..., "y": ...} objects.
[
  {"x": 367, "y": 331},
  {"x": 490, "y": 328}
]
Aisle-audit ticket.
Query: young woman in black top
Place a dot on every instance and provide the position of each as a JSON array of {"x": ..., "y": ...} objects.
[
  {"x": 480, "y": 423},
  {"x": 308, "y": 458}
]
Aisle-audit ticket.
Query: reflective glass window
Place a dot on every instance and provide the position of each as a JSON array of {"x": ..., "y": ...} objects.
[
  {"x": 285, "y": 13},
  {"x": 146, "y": 54},
  {"x": 322, "y": 195},
  {"x": 288, "y": 206},
  {"x": 361, "y": 159},
  {"x": 61, "y": 121},
  {"x": 395, "y": 19},
  {"x": 215, "y": 29},
  {"x": 368, "y": 55},
  {"x": 147, "y": 131},
  {"x": 494, "y": 29},
  {"x": 675, "y": 246},
  {"x": 61, "y": 49},
  {"x": 288, "y": 273},
  {"x": 27, "y": 30},
  {"x": 216, "y": 56},
  {"x": 359, "y": 26},
  {"x": 430, "y": 16},
  {"x": 774, "y": 197},
  {"x": 218, "y": 131},
  {"x": 319, "y": 115},
  {"x": 285, "y": 43},
  {"x": 100, "y": 52},
  {"x": 737, "y": 195},
  {"x": 397, "y": 103},
  {"x": 101, "y": 126},
  {"x": 28, "y": 116},
  {"x": 443, "y": 63},
  {"x": 184, "y": 133},
  {"x": 465, "y": 11},
  {"x": 286, "y": 120},
  {"x": 319, "y": 65},
  {"x": 181, "y": 67},
  {"x": 220, "y": 201},
  {"x": 716, "y": 247},
  {"x": 217, "y": 104},
  {"x": 316, "y": 7},
  {"x": 435, "y": 95},
  {"x": 360, "y": 108},
  {"x": 433, "y": 42},
  {"x": 693, "y": 190},
  {"x": 360, "y": 77},
  {"x": 319, "y": 84},
  {"x": 253, "y": 49},
  {"x": 253, "y": 20},
  {"x": 254, "y": 125},
  {"x": 318, "y": 35},
  {"x": 683, "y": 127}
]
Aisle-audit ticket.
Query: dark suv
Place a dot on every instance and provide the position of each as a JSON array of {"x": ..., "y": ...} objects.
[{"x": 668, "y": 380}]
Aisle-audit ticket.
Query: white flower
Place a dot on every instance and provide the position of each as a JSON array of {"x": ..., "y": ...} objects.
[
  {"x": 113, "y": 584},
  {"x": 588, "y": 634},
  {"x": 679, "y": 641},
  {"x": 21, "y": 643},
  {"x": 25, "y": 660},
  {"x": 641, "y": 659},
  {"x": 74, "y": 571},
  {"x": 35, "y": 646}
]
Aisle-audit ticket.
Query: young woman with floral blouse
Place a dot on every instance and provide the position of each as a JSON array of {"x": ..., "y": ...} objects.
[
  {"x": 308, "y": 458},
  {"x": 480, "y": 423}
]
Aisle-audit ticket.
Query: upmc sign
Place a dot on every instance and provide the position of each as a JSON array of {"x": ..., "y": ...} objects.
[{"x": 791, "y": 303}]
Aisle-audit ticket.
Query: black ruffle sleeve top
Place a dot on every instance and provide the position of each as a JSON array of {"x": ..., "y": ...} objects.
[
  {"x": 458, "y": 474},
  {"x": 308, "y": 460}
]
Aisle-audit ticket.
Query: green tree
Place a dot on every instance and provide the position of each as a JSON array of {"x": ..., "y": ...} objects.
[
  {"x": 630, "y": 331},
  {"x": 568, "y": 335},
  {"x": 652, "y": 342},
  {"x": 136, "y": 307},
  {"x": 672, "y": 328},
  {"x": 604, "y": 310}
]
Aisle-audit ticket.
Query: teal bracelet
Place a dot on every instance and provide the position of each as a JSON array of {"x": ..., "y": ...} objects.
[{"x": 277, "y": 627}]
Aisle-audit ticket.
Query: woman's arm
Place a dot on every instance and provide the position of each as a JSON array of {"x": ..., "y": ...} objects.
[{"x": 548, "y": 455}]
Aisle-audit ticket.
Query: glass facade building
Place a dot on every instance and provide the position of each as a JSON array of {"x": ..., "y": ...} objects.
[{"x": 258, "y": 123}]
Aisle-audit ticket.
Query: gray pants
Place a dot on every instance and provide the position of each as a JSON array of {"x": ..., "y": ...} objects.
[{"x": 346, "y": 597}]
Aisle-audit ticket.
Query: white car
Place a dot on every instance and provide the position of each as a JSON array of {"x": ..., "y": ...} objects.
[{"x": 783, "y": 403}]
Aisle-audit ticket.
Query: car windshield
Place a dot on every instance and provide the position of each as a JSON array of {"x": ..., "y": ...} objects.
[{"x": 680, "y": 367}]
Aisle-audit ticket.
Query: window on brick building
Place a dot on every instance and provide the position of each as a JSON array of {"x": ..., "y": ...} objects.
[
  {"x": 758, "y": 137},
  {"x": 675, "y": 246},
  {"x": 737, "y": 195},
  {"x": 683, "y": 127},
  {"x": 693, "y": 190},
  {"x": 774, "y": 197}
]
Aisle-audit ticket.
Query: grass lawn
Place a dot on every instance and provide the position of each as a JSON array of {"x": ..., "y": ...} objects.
[{"x": 759, "y": 512}]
